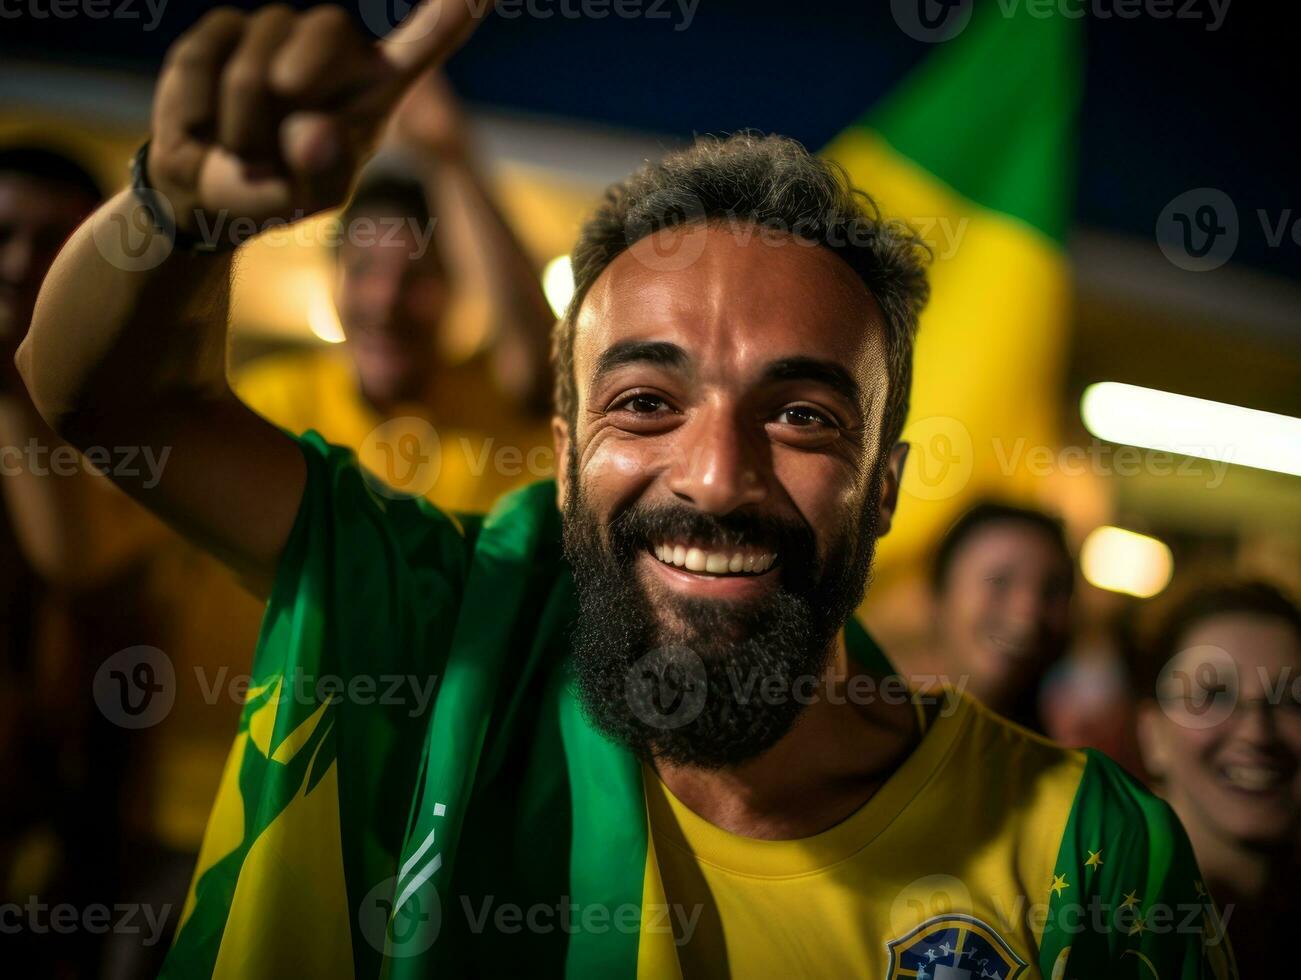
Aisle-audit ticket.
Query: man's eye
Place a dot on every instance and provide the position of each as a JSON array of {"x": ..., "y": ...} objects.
[
  {"x": 804, "y": 417},
  {"x": 642, "y": 404}
]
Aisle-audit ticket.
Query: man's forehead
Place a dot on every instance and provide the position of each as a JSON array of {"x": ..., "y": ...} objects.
[{"x": 734, "y": 292}]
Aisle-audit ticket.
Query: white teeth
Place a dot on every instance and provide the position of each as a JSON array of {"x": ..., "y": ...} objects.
[
  {"x": 1251, "y": 777},
  {"x": 713, "y": 562}
]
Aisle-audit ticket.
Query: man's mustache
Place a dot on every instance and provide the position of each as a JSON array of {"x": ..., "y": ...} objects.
[{"x": 639, "y": 528}]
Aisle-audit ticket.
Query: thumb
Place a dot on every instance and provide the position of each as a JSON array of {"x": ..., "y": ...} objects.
[{"x": 431, "y": 33}]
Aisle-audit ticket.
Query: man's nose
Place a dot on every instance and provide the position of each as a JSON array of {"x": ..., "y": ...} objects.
[
  {"x": 718, "y": 465},
  {"x": 1026, "y": 607}
]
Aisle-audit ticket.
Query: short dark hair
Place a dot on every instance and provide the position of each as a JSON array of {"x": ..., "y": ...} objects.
[
  {"x": 983, "y": 515},
  {"x": 1206, "y": 600},
  {"x": 50, "y": 166},
  {"x": 773, "y": 182},
  {"x": 387, "y": 193}
]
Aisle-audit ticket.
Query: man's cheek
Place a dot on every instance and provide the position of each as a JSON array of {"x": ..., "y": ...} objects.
[{"x": 618, "y": 468}]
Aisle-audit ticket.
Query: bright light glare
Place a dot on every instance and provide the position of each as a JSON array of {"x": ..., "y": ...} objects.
[
  {"x": 1173, "y": 423},
  {"x": 1125, "y": 561},
  {"x": 558, "y": 284},
  {"x": 323, "y": 318}
]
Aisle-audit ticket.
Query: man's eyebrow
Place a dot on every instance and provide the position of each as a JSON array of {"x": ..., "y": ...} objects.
[
  {"x": 829, "y": 373},
  {"x": 658, "y": 352}
]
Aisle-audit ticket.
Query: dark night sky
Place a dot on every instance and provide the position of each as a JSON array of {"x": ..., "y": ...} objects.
[{"x": 1169, "y": 105}]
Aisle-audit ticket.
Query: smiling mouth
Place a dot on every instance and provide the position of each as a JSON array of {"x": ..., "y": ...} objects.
[
  {"x": 732, "y": 563},
  {"x": 1014, "y": 649},
  {"x": 1254, "y": 779}
]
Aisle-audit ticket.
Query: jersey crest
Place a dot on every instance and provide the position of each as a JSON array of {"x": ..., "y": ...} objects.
[{"x": 953, "y": 947}]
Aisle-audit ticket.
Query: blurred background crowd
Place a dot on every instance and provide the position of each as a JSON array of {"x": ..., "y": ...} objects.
[{"x": 1100, "y": 530}]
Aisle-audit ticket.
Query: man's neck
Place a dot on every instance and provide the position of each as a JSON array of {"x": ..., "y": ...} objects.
[{"x": 834, "y": 759}]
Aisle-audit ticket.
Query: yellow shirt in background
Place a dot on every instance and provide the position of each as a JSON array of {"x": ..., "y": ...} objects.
[{"x": 465, "y": 453}]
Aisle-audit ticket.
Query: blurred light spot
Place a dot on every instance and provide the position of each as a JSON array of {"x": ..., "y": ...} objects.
[
  {"x": 1125, "y": 561},
  {"x": 558, "y": 284},
  {"x": 1168, "y": 422},
  {"x": 323, "y": 318}
]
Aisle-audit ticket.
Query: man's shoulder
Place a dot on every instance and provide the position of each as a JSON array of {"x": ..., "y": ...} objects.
[
  {"x": 1023, "y": 756},
  {"x": 1096, "y": 786}
]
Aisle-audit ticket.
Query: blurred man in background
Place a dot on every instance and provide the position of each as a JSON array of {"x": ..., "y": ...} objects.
[
  {"x": 411, "y": 237},
  {"x": 1220, "y": 730},
  {"x": 1001, "y": 584}
]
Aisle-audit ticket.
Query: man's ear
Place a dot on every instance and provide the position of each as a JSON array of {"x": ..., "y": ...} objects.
[
  {"x": 890, "y": 487},
  {"x": 560, "y": 436}
]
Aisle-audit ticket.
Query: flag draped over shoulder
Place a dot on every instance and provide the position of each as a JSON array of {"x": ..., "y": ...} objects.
[
  {"x": 974, "y": 149},
  {"x": 411, "y": 760},
  {"x": 342, "y": 817}
]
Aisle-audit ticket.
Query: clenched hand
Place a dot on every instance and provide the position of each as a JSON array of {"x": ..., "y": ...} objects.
[{"x": 267, "y": 116}]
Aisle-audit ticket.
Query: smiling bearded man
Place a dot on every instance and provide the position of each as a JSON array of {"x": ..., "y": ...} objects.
[
  {"x": 660, "y": 743},
  {"x": 713, "y": 585}
]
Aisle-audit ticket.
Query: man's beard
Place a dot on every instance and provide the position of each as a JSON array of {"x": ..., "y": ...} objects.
[{"x": 706, "y": 682}]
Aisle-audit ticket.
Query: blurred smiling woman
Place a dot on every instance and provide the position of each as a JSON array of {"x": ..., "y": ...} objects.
[{"x": 1220, "y": 732}]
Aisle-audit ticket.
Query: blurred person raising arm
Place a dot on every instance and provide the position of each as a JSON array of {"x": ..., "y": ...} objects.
[{"x": 420, "y": 236}]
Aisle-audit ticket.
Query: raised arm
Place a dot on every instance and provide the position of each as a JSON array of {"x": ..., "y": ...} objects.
[
  {"x": 258, "y": 119},
  {"x": 428, "y": 126}
]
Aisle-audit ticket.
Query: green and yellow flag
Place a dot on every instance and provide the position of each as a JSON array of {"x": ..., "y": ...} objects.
[{"x": 974, "y": 149}]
